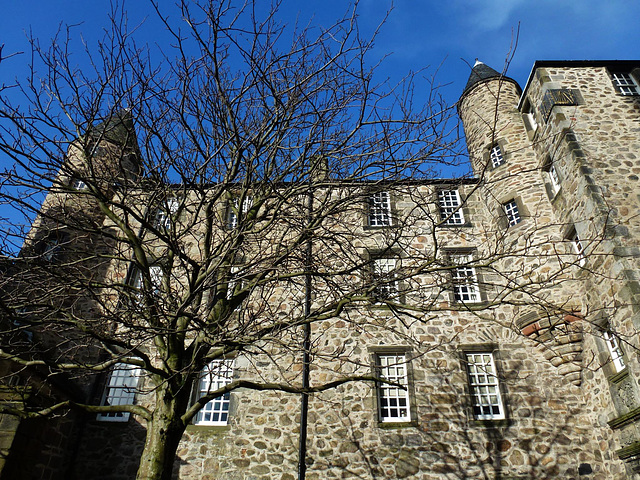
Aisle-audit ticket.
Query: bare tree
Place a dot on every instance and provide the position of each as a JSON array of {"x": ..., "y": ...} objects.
[{"x": 194, "y": 203}]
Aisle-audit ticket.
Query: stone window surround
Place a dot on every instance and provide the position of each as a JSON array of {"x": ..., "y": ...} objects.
[
  {"x": 165, "y": 213},
  {"x": 529, "y": 117},
  {"x": 487, "y": 155},
  {"x": 374, "y": 352},
  {"x": 552, "y": 177},
  {"x": 370, "y": 259},
  {"x": 506, "y": 215},
  {"x": 577, "y": 244},
  {"x": 492, "y": 349}
]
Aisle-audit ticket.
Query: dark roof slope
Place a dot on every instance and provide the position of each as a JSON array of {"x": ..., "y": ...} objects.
[{"x": 480, "y": 73}]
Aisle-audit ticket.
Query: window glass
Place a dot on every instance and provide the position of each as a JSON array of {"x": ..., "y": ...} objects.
[
  {"x": 380, "y": 209},
  {"x": 215, "y": 376},
  {"x": 393, "y": 400},
  {"x": 120, "y": 390},
  {"x": 484, "y": 386},
  {"x": 450, "y": 207}
]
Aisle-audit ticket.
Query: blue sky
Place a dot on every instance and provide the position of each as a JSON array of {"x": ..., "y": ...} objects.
[{"x": 447, "y": 35}]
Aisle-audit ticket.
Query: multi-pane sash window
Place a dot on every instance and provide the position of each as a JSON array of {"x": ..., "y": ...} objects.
[
  {"x": 216, "y": 375},
  {"x": 625, "y": 84},
  {"x": 496, "y": 156},
  {"x": 166, "y": 213},
  {"x": 78, "y": 184},
  {"x": 450, "y": 207},
  {"x": 578, "y": 248},
  {"x": 484, "y": 387},
  {"x": 465, "y": 280},
  {"x": 380, "y": 209},
  {"x": 120, "y": 390},
  {"x": 613, "y": 344},
  {"x": 234, "y": 210},
  {"x": 512, "y": 213},
  {"x": 393, "y": 400},
  {"x": 384, "y": 277}
]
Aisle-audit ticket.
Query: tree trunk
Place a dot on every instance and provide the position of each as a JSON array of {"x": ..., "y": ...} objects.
[{"x": 164, "y": 432}]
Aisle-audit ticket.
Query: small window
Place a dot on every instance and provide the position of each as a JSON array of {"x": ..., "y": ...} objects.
[
  {"x": 613, "y": 345},
  {"x": 120, "y": 390},
  {"x": 450, "y": 207},
  {"x": 512, "y": 212},
  {"x": 215, "y": 376},
  {"x": 578, "y": 247},
  {"x": 484, "y": 386},
  {"x": 496, "y": 156},
  {"x": 465, "y": 280},
  {"x": 166, "y": 213},
  {"x": 78, "y": 184},
  {"x": 52, "y": 248},
  {"x": 155, "y": 274},
  {"x": 554, "y": 178},
  {"x": 385, "y": 278},
  {"x": 380, "y": 209},
  {"x": 529, "y": 116},
  {"x": 234, "y": 211},
  {"x": 625, "y": 84},
  {"x": 393, "y": 400}
]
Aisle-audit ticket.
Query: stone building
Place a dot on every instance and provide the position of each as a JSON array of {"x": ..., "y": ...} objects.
[{"x": 521, "y": 361}]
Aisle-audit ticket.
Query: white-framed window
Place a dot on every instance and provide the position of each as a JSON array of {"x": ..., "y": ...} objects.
[
  {"x": 496, "y": 156},
  {"x": 78, "y": 184},
  {"x": 625, "y": 83},
  {"x": 120, "y": 390},
  {"x": 484, "y": 386},
  {"x": 578, "y": 247},
  {"x": 380, "y": 209},
  {"x": 613, "y": 345},
  {"x": 554, "y": 178},
  {"x": 234, "y": 210},
  {"x": 512, "y": 212},
  {"x": 385, "y": 279},
  {"x": 215, "y": 376},
  {"x": 530, "y": 117},
  {"x": 450, "y": 207},
  {"x": 155, "y": 274},
  {"x": 465, "y": 281},
  {"x": 393, "y": 400},
  {"x": 166, "y": 212}
]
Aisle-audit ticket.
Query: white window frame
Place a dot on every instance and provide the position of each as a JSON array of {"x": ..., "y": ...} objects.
[
  {"x": 554, "y": 178},
  {"x": 217, "y": 374},
  {"x": 512, "y": 212},
  {"x": 78, "y": 184},
  {"x": 155, "y": 274},
  {"x": 496, "y": 156},
  {"x": 625, "y": 83},
  {"x": 380, "y": 209},
  {"x": 387, "y": 287},
  {"x": 578, "y": 248},
  {"x": 615, "y": 350},
  {"x": 484, "y": 386},
  {"x": 120, "y": 389},
  {"x": 450, "y": 206},
  {"x": 166, "y": 212},
  {"x": 233, "y": 210},
  {"x": 466, "y": 288},
  {"x": 394, "y": 402}
]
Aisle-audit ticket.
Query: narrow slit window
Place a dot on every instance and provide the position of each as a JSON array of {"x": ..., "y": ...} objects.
[{"x": 578, "y": 248}]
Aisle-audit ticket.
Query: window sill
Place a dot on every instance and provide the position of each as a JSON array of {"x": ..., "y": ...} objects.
[
  {"x": 451, "y": 225},
  {"x": 379, "y": 227},
  {"x": 503, "y": 422},
  {"x": 394, "y": 425},
  {"x": 618, "y": 377},
  {"x": 208, "y": 428}
]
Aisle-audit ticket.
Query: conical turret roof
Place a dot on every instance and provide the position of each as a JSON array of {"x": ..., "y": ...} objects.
[{"x": 480, "y": 73}]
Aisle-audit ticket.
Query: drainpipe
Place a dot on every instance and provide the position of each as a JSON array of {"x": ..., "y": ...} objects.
[{"x": 306, "y": 342}]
